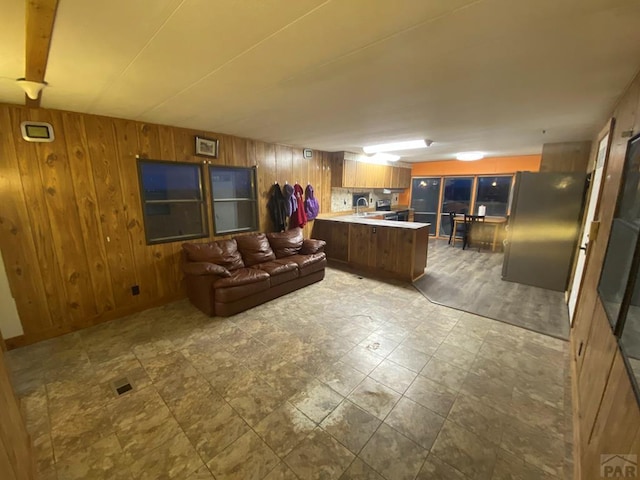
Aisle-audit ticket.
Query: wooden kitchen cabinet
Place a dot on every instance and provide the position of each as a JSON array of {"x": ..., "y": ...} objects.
[{"x": 350, "y": 173}]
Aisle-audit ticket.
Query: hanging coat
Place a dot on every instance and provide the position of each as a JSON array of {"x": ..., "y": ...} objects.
[
  {"x": 299, "y": 217},
  {"x": 311, "y": 207},
  {"x": 290, "y": 199},
  {"x": 276, "y": 207}
]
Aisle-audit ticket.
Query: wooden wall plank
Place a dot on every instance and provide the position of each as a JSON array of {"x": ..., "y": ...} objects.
[
  {"x": 104, "y": 162},
  {"x": 15, "y": 444},
  {"x": 66, "y": 232},
  {"x": 29, "y": 166},
  {"x": 85, "y": 199},
  {"x": 16, "y": 238}
]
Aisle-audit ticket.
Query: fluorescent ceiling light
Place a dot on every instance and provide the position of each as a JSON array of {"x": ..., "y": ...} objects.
[
  {"x": 396, "y": 146},
  {"x": 469, "y": 156}
]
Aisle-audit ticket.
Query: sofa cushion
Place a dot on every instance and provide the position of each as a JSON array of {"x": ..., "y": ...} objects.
[
  {"x": 205, "y": 268},
  {"x": 255, "y": 249},
  {"x": 309, "y": 263},
  {"x": 242, "y": 283},
  {"x": 279, "y": 272},
  {"x": 223, "y": 252},
  {"x": 286, "y": 243},
  {"x": 311, "y": 245}
]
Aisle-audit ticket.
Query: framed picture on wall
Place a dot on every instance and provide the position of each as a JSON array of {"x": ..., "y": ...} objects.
[{"x": 206, "y": 147}]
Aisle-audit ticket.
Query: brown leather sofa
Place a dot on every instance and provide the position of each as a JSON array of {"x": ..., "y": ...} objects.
[{"x": 229, "y": 276}]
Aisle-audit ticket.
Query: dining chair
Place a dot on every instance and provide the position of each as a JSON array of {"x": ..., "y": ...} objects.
[
  {"x": 459, "y": 229},
  {"x": 472, "y": 230}
]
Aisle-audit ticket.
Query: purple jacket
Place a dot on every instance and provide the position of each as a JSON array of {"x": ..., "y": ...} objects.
[{"x": 311, "y": 206}]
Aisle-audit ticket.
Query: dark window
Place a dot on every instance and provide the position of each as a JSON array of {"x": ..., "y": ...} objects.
[
  {"x": 172, "y": 201},
  {"x": 493, "y": 193},
  {"x": 425, "y": 197},
  {"x": 235, "y": 206},
  {"x": 456, "y": 197}
]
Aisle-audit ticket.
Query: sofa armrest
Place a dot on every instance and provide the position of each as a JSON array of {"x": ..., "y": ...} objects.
[
  {"x": 311, "y": 245},
  {"x": 205, "y": 268}
]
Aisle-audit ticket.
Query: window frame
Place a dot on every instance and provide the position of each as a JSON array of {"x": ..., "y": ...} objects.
[
  {"x": 477, "y": 186},
  {"x": 253, "y": 200},
  {"x": 143, "y": 202}
]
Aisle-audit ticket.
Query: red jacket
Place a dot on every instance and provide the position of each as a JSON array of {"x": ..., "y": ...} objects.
[{"x": 299, "y": 217}]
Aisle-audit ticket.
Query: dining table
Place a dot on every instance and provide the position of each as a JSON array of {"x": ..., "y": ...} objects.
[{"x": 494, "y": 222}]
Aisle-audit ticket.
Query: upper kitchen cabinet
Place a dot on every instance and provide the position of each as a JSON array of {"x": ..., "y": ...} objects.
[{"x": 348, "y": 172}]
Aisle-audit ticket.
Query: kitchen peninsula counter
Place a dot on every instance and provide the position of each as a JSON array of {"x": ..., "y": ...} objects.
[{"x": 385, "y": 248}]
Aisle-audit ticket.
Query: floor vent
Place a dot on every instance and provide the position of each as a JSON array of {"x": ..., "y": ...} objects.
[{"x": 122, "y": 386}]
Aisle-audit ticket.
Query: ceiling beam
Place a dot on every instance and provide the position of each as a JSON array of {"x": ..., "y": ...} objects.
[{"x": 41, "y": 15}]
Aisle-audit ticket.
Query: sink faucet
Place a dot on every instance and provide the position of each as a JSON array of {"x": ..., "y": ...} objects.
[{"x": 358, "y": 204}]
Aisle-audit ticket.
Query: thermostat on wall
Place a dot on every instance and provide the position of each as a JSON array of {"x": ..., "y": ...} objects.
[{"x": 37, "y": 131}]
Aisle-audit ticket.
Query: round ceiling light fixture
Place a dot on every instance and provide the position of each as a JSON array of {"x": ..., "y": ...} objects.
[{"x": 470, "y": 156}]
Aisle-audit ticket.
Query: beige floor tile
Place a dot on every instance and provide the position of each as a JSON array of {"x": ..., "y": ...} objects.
[
  {"x": 350, "y": 425},
  {"x": 477, "y": 417},
  {"x": 374, "y": 397},
  {"x": 422, "y": 342},
  {"x": 281, "y": 472},
  {"x": 509, "y": 467},
  {"x": 454, "y": 355},
  {"x": 430, "y": 394},
  {"x": 362, "y": 359},
  {"x": 409, "y": 358},
  {"x": 319, "y": 456},
  {"x": 436, "y": 469},
  {"x": 253, "y": 398},
  {"x": 537, "y": 446},
  {"x": 393, "y": 455},
  {"x": 393, "y": 376},
  {"x": 361, "y": 471},
  {"x": 213, "y": 433},
  {"x": 175, "y": 458},
  {"x": 415, "y": 422},
  {"x": 492, "y": 392},
  {"x": 102, "y": 460},
  {"x": 465, "y": 451},
  {"x": 445, "y": 373},
  {"x": 202, "y": 473},
  {"x": 379, "y": 345},
  {"x": 316, "y": 401},
  {"x": 341, "y": 377},
  {"x": 247, "y": 457},
  {"x": 284, "y": 428},
  {"x": 86, "y": 428}
]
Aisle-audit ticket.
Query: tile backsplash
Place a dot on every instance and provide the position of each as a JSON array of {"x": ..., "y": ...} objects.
[{"x": 341, "y": 198}]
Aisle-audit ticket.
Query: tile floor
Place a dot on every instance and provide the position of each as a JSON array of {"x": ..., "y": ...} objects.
[{"x": 346, "y": 379}]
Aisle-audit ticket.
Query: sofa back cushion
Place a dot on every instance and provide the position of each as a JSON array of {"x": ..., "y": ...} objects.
[
  {"x": 223, "y": 252},
  {"x": 255, "y": 249},
  {"x": 287, "y": 243}
]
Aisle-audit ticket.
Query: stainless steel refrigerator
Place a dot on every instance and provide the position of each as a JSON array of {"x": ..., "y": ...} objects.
[{"x": 543, "y": 228}]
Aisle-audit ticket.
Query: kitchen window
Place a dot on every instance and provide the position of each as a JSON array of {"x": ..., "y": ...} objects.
[
  {"x": 493, "y": 193},
  {"x": 173, "y": 204},
  {"x": 235, "y": 208}
]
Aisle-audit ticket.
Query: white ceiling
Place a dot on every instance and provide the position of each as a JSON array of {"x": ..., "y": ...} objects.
[{"x": 486, "y": 75}]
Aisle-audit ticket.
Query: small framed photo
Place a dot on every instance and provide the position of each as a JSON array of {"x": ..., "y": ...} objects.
[{"x": 206, "y": 147}]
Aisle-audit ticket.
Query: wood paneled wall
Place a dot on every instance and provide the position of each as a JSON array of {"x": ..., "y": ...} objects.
[
  {"x": 565, "y": 157},
  {"x": 71, "y": 225},
  {"x": 16, "y": 454},
  {"x": 607, "y": 416}
]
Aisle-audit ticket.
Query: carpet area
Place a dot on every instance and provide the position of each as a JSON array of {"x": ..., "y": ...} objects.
[{"x": 471, "y": 281}]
